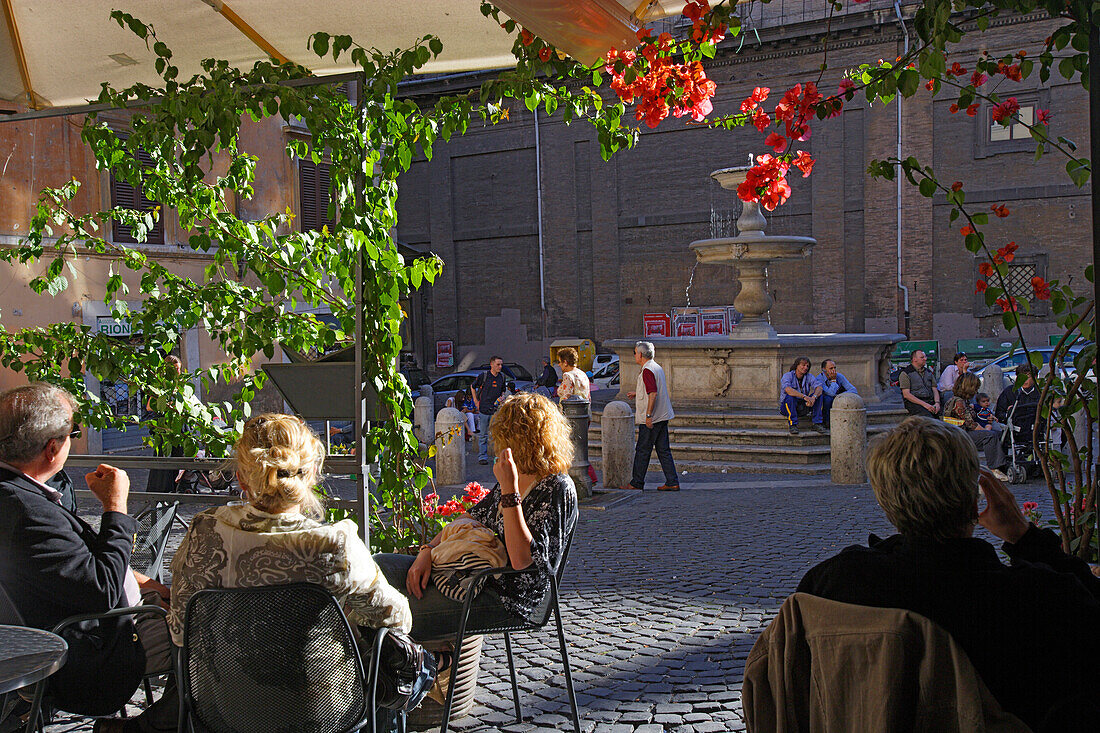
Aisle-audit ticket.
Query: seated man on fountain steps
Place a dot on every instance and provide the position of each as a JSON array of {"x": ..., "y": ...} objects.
[{"x": 800, "y": 395}]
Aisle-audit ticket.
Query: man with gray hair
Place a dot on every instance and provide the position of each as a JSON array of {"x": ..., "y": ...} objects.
[
  {"x": 1028, "y": 628},
  {"x": 54, "y": 565},
  {"x": 652, "y": 411}
]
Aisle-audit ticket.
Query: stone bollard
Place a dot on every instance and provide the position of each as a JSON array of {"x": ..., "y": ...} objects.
[
  {"x": 426, "y": 390},
  {"x": 993, "y": 381},
  {"x": 617, "y": 444},
  {"x": 450, "y": 448},
  {"x": 576, "y": 411},
  {"x": 848, "y": 439},
  {"x": 424, "y": 419}
]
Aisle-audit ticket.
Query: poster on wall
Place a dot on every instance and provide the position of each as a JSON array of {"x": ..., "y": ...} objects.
[
  {"x": 444, "y": 354},
  {"x": 686, "y": 325},
  {"x": 714, "y": 321},
  {"x": 733, "y": 316},
  {"x": 656, "y": 324}
]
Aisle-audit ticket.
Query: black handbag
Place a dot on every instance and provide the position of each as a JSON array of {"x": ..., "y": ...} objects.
[{"x": 402, "y": 666}]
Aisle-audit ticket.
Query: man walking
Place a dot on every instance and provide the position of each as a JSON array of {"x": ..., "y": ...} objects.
[
  {"x": 832, "y": 384},
  {"x": 652, "y": 411},
  {"x": 487, "y": 390},
  {"x": 918, "y": 387}
]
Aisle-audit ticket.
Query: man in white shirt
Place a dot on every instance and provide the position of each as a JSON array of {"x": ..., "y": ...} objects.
[
  {"x": 951, "y": 372},
  {"x": 652, "y": 411}
]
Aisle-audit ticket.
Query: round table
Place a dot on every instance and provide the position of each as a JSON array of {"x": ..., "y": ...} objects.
[{"x": 28, "y": 656}]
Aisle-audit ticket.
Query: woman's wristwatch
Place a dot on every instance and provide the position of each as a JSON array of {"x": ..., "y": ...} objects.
[{"x": 510, "y": 499}]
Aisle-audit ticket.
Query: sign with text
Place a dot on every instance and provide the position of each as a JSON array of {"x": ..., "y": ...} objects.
[
  {"x": 114, "y": 327},
  {"x": 714, "y": 321},
  {"x": 444, "y": 354},
  {"x": 656, "y": 324},
  {"x": 686, "y": 325}
]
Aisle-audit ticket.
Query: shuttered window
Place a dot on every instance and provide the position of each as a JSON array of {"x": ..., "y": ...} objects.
[
  {"x": 126, "y": 196},
  {"x": 313, "y": 185}
]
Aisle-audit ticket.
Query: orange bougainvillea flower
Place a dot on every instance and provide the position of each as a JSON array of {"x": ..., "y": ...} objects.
[
  {"x": 1041, "y": 288},
  {"x": 1007, "y": 304},
  {"x": 953, "y": 108},
  {"x": 804, "y": 163},
  {"x": 972, "y": 110},
  {"x": 980, "y": 286},
  {"x": 986, "y": 269},
  {"x": 526, "y": 37},
  {"x": 957, "y": 186},
  {"x": 1000, "y": 210},
  {"x": 1007, "y": 253},
  {"x": 966, "y": 231}
]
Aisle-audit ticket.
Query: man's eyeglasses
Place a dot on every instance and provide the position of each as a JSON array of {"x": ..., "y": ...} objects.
[{"x": 75, "y": 432}]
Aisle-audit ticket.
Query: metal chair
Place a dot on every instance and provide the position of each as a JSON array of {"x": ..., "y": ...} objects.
[
  {"x": 35, "y": 720},
  {"x": 154, "y": 527},
  {"x": 550, "y": 605},
  {"x": 277, "y": 657}
]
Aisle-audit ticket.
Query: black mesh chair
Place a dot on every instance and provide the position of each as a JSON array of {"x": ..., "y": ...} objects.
[
  {"x": 273, "y": 658},
  {"x": 476, "y": 626},
  {"x": 154, "y": 527}
]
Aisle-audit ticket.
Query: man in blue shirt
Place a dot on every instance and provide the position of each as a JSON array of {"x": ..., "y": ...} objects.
[
  {"x": 832, "y": 383},
  {"x": 800, "y": 394}
]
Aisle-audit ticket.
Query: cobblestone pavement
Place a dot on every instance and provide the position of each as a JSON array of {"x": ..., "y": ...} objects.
[{"x": 663, "y": 597}]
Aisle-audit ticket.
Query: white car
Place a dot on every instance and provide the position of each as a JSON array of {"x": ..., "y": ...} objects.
[
  {"x": 603, "y": 378},
  {"x": 602, "y": 360}
]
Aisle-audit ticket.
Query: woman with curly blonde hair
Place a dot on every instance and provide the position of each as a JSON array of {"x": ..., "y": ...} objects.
[
  {"x": 532, "y": 511},
  {"x": 274, "y": 536}
]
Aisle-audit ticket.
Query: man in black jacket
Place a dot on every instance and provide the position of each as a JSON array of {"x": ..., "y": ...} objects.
[
  {"x": 54, "y": 565},
  {"x": 1029, "y": 629}
]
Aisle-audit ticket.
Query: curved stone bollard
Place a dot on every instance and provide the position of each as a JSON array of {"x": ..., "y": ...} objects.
[
  {"x": 424, "y": 419},
  {"x": 617, "y": 443},
  {"x": 848, "y": 439},
  {"x": 577, "y": 411},
  {"x": 450, "y": 448},
  {"x": 993, "y": 380}
]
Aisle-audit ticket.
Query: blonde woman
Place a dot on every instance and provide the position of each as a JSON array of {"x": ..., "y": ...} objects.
[
  {"x": 532, "y": 511},
  {"x": 275, "y": 536}
]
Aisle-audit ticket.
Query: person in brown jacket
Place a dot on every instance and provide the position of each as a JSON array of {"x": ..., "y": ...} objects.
[{"x": 1030, "y": 629}]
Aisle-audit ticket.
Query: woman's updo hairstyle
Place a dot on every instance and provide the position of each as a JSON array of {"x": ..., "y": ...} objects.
[{"x": 279, "y": 458}]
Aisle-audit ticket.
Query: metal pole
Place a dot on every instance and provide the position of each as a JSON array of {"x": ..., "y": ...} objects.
[
  {"x": 360, "y": 404},
  {"x": 1094, "y": 156}
]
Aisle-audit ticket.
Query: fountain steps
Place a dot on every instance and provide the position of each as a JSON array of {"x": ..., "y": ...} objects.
[{"x": 748, "y": 441}]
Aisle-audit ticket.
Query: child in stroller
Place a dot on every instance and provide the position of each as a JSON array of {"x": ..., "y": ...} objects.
[{"x": 1017, "y": 408}]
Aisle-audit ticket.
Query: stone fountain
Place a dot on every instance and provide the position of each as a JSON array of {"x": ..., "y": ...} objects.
[{"x": 742, "y": 371}]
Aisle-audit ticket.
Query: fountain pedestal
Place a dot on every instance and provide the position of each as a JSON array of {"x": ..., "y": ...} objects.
[{"x": 743, "y": 370}]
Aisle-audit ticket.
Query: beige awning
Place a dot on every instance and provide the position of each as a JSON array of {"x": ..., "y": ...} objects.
[{"x": 56, "y": 53}]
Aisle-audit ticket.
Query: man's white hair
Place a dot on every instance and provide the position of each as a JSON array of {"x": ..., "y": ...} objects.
[
  {"x": 31, "y": 416},
  {"x": 645, "y": 348}
]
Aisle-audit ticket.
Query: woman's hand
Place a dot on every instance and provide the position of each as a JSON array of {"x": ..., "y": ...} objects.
[
  {"x": 1001, "y": 516},
  {"x": 419, "y": 574},
  {"x": 506, "y": 472}
]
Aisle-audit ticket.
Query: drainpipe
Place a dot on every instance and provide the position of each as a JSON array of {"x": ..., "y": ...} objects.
[
  {"x": 538, "y": 198},
  {"x": 904, "y": 290}
]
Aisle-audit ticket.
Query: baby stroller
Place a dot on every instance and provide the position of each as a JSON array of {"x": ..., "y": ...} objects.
[{"x": 1018, "y": 445}]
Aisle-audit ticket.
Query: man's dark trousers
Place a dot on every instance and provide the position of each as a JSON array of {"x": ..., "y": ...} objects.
[
  {"x": 919, "y": 410},
  {"x": 648, "y": 439}
]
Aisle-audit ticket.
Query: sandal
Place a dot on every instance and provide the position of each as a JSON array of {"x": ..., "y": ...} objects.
[{"x": 443, "y": 661}]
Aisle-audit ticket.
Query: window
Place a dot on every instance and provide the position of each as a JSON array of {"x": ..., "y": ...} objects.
[
  {"x": 314, "y": 192},
  {"x": 125, "y": 196},
  {"x": 1018, "y": 282},
  {"x": 992, "y": 138},
  {"x": 1018, "y": 131}
]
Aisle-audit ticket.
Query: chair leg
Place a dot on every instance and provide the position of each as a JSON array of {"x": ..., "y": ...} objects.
[
  {"x": 512, "y": 672},
  {"x": 148, "y": 691},
  {"x": 35, "y": 716},
  {"x": 565, "y": 659},
  {"x": 454, "y": 676}
]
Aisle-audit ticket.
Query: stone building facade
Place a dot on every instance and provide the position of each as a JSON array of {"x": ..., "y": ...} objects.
[{"x": 614, "y": 234}]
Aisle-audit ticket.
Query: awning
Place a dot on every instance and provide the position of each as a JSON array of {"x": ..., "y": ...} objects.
[{"x": 56, "y": 53}]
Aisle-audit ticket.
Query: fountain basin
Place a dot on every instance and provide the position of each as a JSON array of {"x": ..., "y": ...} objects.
[
  {"x": 751, "y": 247},
  {"x": 727, "y": 374}
]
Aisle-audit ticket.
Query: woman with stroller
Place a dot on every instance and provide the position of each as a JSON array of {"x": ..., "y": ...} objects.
[{"x": 988, "y": 439}]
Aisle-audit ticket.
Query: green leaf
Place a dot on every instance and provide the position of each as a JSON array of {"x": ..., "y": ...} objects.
[
  {"x": 908, "y": 82},
  {"x": 927, "y": 187}
]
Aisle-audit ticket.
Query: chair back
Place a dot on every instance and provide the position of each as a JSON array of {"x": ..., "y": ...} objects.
[
  {"x": 542, "y": 613},
  {"x": 9, "y": 614},
  {"x": 154, "y": 527},
  {"x": 273, "y": 658}
]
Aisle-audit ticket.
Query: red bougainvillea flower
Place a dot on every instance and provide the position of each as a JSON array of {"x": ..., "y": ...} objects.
[
  {"x": 980, "y": 286},
  {"x": 1008, "y": 252},
  {"x": 846, "y": 86},
  {"x": 986, "y": 269},
  {"x": 977, "y": 79},
  {"x": 545, "y": 53},
  {"x": 1000, "y": 210},
  {"x": 972, "y": 110},
  {"x": 803, "y": 162},
  {"x": 930, "y": 85},
  {"x": 526, "y": 37},
  {"x": 953, "y": 108},
  {"x": 694, "y": 10},
  {"x": 766, "y": 182},
  {"x": 776, "y": 142},
  {"x": 1007, "y": 304},
  {"x": 956, "y": 70},
  {"x": 1010, "y": 71},
  {"x": 1041, "y": 288},
  {"x": 761, "y": 120},
  {"x": 957, "y": 186},
  {"x": 1043, "y": 116},
  {"x": 751, "y": 102},
  {"x": 966, "y": 231},
  {"x": 1006, "y": 110}
]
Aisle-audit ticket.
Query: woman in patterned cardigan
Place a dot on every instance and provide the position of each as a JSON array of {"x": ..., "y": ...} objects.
[{"x": 532, "y": 511}]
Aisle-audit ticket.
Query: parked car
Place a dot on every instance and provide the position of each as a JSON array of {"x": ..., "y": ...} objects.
[
  {"x": 1008, "y": 362},
  {"x": 602, "y": 360},
  {"x": 416, "y": 377},
  {"x": 445, "y": 387},
  {"x": 602, "y": 378}
]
